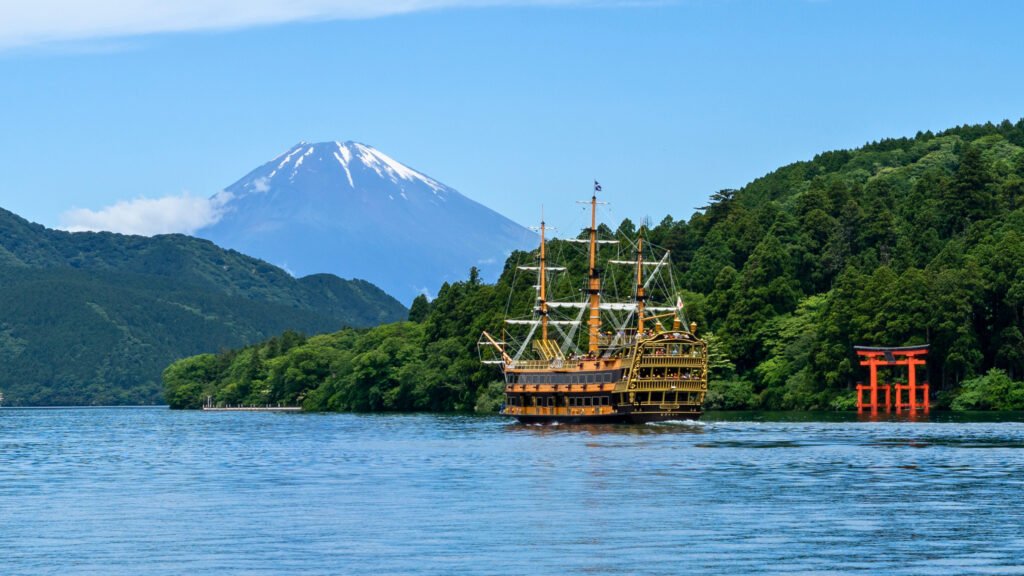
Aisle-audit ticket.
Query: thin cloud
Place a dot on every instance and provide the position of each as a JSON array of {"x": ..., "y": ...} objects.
[
  {"x": 50, "y": 21},
  {"x": 149, "y": 216}
]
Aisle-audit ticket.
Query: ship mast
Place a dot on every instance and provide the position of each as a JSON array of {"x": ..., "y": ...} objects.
[
  {"x": 640, "y": 294},
  {"x": 594, "y": 285},
  {"x": 543, "y": 283}
]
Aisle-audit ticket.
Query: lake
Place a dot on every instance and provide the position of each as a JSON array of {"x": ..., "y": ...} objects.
[{"x": 153, "y": 491}]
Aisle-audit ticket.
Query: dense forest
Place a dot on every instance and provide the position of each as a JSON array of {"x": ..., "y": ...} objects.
[
  {"x": 902, "y": 241},
  {"x": 94, "y": 318}
]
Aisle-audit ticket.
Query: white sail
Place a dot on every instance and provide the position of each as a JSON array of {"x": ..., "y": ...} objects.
[
  {"x": 633, "y": 262},
  {"x": 535, "y": 322},
  {"x": 610, "y": 306},
  {"x": 585, "y": 241},
  {"x": 549, "y": 268}
]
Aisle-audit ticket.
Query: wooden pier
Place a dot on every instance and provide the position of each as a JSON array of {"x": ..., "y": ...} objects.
[
  {"x": 209, "y": 407},
  {"x": 252, "y": 408}
]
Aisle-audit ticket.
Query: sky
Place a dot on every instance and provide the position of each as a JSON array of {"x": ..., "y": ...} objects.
[{"x": 140, "y": 110}]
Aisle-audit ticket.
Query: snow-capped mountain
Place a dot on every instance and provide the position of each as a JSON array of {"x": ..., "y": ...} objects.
[{"x": 349, "y": 209}]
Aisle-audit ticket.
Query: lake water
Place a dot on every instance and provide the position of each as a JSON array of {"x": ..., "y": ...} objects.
[{"x": 151, "y": 491}]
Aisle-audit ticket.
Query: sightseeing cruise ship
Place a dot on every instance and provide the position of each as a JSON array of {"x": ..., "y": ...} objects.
[{"x": 599, "y": 360}]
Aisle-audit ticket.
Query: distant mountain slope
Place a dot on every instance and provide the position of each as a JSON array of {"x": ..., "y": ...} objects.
[
  {"x": 93, "y": 318},
  {"x": 349, "y": 209}
]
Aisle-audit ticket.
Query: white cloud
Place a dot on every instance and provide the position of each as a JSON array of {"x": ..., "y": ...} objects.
[
  {"x": 26, "y": 23},
  {"x": 149, "y": 216},
  {"x": 261, "y": 184}
]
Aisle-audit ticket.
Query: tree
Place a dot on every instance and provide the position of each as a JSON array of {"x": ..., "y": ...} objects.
[
  {"x": 968, "y": 198},
  {"x": 420, "y": 309}
]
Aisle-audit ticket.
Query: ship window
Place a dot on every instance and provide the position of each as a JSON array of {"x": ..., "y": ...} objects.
[
  {"x": 656, "y": 397},
  {"x": 588, "y": 401},
  {"x": 551, "y": 401},
  {"x": 604, "y": 400}
]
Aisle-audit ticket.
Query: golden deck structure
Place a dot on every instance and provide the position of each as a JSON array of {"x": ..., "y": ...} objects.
[{"x": 638, "y": 360}]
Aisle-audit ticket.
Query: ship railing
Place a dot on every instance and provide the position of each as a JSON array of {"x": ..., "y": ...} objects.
[
  {"x": 563, "y": 363},
  {"x": 535, "y": 364},
  {"x": 681, "y": 385},
  {"x": 684, "y": 361},
  {"x": 542, "y": 388}
]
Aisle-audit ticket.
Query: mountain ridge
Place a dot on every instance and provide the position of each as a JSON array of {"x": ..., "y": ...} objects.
[
  {"x": 93, "y": 317},
  {"x": 352, "y": 210}
]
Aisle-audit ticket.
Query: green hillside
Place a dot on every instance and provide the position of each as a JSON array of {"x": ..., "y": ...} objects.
[
  {"x": 903, "y": 241},
  {"x": 93, "y": 318}
]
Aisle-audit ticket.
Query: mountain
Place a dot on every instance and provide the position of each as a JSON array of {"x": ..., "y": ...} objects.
[
  {"x": 93, "y": 318},
  {"x": 349, "y": 209}
]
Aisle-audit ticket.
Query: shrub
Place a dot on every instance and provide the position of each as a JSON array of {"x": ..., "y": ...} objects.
[{"x": 993, "y": 391}]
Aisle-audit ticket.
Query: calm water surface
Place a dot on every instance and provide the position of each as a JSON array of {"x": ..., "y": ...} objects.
[{"x": 151, "y": 491}]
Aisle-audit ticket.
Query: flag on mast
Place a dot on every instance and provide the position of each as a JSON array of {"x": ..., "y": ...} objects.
[{"x": 597, "y": 186}]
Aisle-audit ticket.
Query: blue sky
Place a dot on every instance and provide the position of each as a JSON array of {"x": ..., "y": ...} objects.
[{"x": 514, "y": 105}]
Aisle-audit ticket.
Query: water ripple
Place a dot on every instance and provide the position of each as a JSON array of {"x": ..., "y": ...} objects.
[{"x": 151, "y": 491}]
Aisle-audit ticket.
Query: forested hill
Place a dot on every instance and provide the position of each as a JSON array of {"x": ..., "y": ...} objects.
[
  {"x": 903, "y": 241},
  {"x": 93, "y": 318}
]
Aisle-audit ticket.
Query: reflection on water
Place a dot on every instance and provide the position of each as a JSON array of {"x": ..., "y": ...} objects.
[
  {"x": 670, "y": 427},
  {"x": 115, "y": 491}
]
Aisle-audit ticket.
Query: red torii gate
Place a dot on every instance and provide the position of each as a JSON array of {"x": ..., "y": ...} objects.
[{"x": 909, "y": 356}]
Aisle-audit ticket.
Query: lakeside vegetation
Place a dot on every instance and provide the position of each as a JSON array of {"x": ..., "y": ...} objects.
[{"x": 903, "y": 241}]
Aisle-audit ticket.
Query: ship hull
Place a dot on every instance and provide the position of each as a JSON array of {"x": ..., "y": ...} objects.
[{"x": 608, "y": 418}]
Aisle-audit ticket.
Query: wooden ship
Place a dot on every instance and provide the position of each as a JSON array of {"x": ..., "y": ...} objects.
[{"x": 636, "y": 361}]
